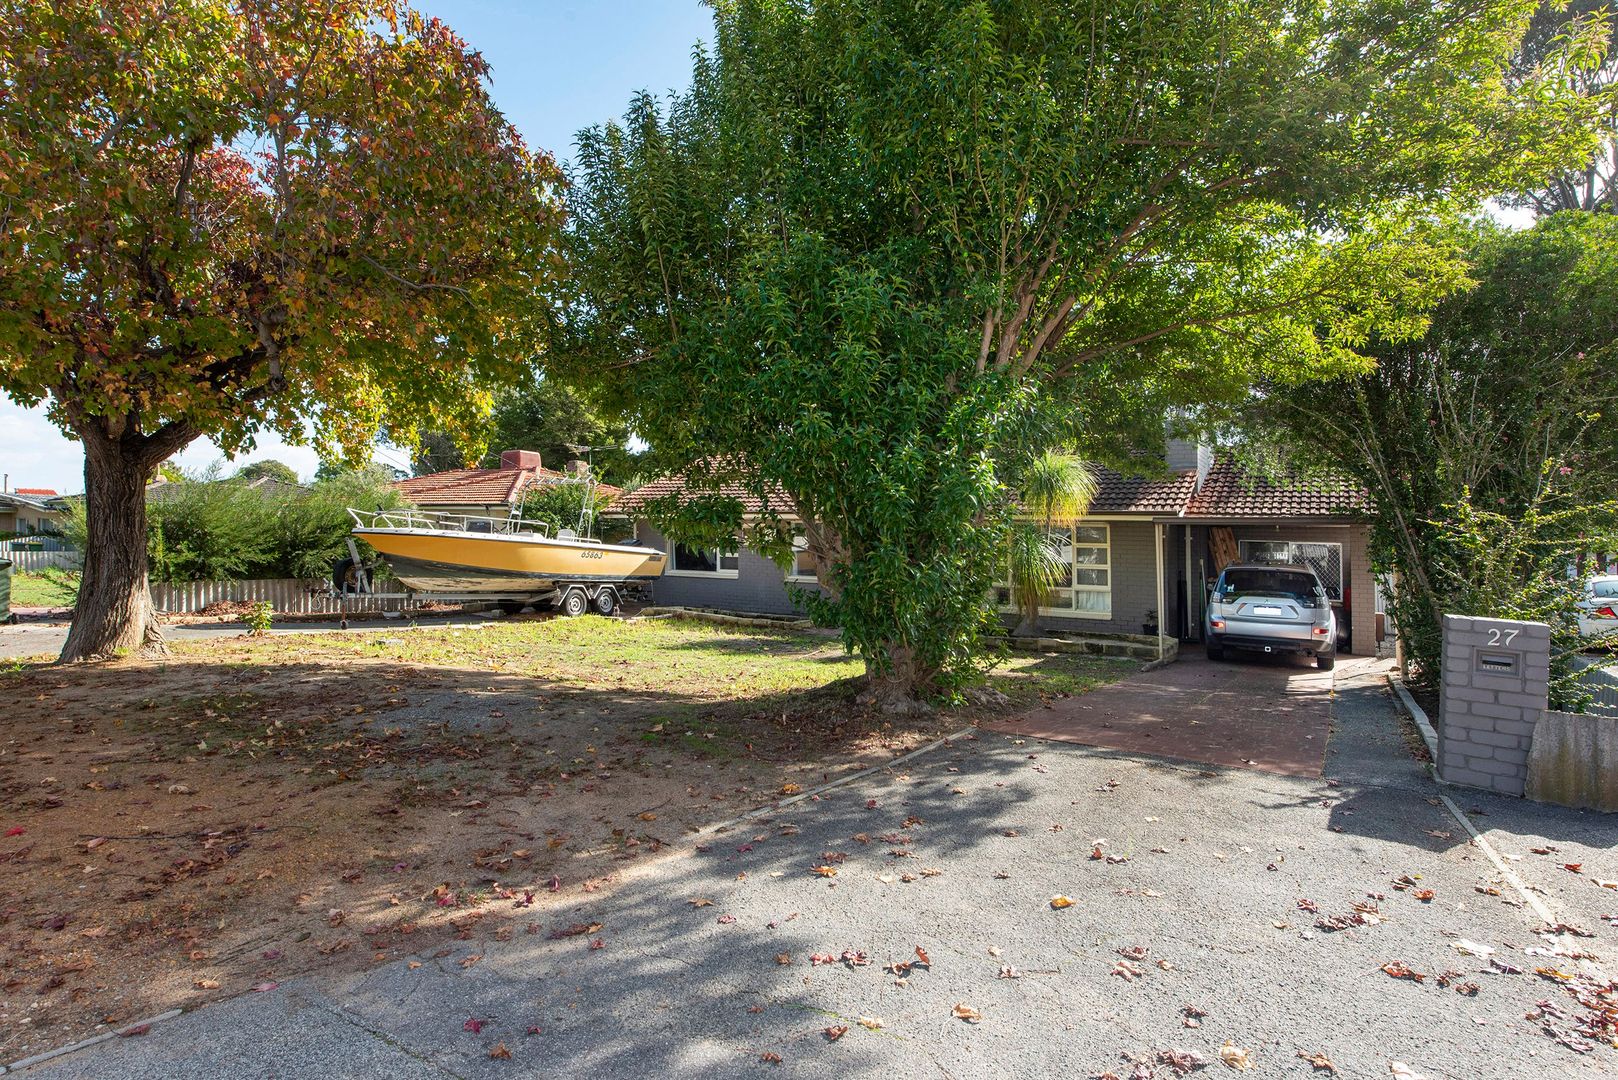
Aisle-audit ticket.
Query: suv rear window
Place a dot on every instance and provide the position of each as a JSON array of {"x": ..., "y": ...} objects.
[{"x": 1285, "y": 583}]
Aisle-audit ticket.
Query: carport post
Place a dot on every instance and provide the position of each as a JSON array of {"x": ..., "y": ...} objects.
[{"x": 1157, "y": 542}]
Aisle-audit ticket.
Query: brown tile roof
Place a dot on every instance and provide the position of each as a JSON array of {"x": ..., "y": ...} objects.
[
  {"x": 1229, "y": 492},
  {"x": 1232, "y": 492},
  {"x": 664, "y": 486},
  {"x": 481, "y": 487},
  {"x": 34, "y": 491},
  {"x": 1118, "y": 493}
]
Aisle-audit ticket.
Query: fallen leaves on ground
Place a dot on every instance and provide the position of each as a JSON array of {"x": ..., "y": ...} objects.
[
  {"x": 1060, "y": 902},
  {"x": 963, "y": 1011},
  {"x": 700, "y": 901},
  {"x": 1181, "y": 1061},
  {"x": 1400, "y": 971},
  {"x": 474, "y": 1025},
  {"x": 1319, "y": 1061},
  {"x": 500, "y": 1052},
  {"x": 770, "y": 1058},
  {"x": 824, "y": 871},
  {"x": 1235, "y": 1057},
  {"x": 871, "y": 1023},
  {"x": 835, "y": 1032}
]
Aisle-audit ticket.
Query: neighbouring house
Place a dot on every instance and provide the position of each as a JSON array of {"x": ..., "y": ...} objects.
[
  {"x": 1142, "y": 560},
  {"x": 494, "y": 492},
  {"x": 31, "y": 513}
]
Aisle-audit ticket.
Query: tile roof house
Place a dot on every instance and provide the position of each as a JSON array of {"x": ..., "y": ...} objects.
[
  {"x": 31, "y": 512},
  {"x": 487, "y": 491},
  {"x": 1143, "y": 558}
]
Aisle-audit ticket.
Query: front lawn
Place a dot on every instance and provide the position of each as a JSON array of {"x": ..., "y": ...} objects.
[
  {"x": 255, "y": 808},
  {"x": 46, "y": 588}
]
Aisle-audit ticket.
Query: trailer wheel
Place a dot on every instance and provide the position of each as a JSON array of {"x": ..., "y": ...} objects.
[
  {"x": 606, "y": 602},
  {"x": 575, "y": 603}
]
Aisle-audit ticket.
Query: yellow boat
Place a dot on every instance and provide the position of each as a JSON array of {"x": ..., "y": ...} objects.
[{"x": 456, "y": 554}]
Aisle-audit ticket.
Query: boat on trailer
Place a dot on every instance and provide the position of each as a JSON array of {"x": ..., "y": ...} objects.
[{"x": 511, "y": 560}]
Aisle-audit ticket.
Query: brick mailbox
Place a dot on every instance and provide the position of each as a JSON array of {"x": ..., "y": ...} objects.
[{"x": 1496, "y": 681}]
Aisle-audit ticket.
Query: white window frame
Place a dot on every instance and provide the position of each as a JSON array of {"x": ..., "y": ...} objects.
[
  {"x": 1068, "y": 612},
  {"x": 800, "y": 545},
  {"x": 719, "y": 555}
]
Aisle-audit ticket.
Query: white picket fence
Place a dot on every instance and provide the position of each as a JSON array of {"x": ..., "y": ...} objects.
[
  {"x": 23, "y": 562},
  {"x": 287, "y": 596}
]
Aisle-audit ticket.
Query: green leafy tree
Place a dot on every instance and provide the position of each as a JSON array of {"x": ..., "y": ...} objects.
[
  {"x": 541, "y": 414},
  {"x": 227, "y": 216},
  {"x": 1584, "y": 29},
  {"x": 1505, "y": 410},
  {"x": 209, "y": 529},
  {"x": 881, "y": 253},
  {"x": 275, "y": 470}
]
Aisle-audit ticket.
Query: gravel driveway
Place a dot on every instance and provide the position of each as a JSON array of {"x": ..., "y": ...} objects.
[{"x": 1188, "y": 929}]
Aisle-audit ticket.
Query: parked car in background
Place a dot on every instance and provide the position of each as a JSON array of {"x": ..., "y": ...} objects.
[
  {"x": 1598, "y": 610},
  {"x": 1272, "y": 609}
]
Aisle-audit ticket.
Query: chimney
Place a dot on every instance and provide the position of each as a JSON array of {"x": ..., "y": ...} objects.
[
  {"x": 575, "y": 467},
  {"x": 1184, "y": 455},
  {"x": 519, "y": 459}
]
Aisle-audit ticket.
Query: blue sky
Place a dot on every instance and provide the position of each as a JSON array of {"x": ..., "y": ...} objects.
[{"x": 558, "y": 67}]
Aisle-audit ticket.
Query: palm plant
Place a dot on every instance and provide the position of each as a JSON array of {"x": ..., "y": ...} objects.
[{"x": 1057, "y": 489}]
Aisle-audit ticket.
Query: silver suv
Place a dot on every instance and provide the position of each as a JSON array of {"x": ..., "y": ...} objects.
[{"x": 1271, "y": 608}]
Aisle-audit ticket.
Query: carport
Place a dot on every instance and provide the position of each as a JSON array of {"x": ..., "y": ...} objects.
[
  {"x": 1267, "y": 713},
  {"x": 1238, "y": 516}
]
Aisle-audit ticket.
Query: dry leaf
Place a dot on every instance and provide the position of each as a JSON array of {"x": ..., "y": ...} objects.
[
  {"x": 871, "y": 1023},
  {"x": 500, "y": 1053},
  {"x": 783, "y": 958},
  {"x": 1235, "y": 1056},
  {"x": 206, "y": 984},
  {"x": 825, "y": 871},
  {"x": 921, "y": 955},
  {"x": 1319, "y": 1061},
  {"x": 963, "y": 1011},
  {"x": 791, "y": 789},
  {"x": 770, "y": 1058},
  {"x": 1399, "y": 971},
  {"x": 835, "y": 1032},
  {"x": 1060, "y": 902},
  {"x": 700, "y": 901},
  {"x": 1403, "y": 1071}
]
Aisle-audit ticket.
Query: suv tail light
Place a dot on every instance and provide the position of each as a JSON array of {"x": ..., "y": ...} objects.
[
  {"x": 1218, "y": 624},
  {"x": 1606, "y": 612},
  {"x": 1320, "y": 631}
]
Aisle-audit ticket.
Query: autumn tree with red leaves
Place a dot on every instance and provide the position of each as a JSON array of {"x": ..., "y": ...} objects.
[{"x": 225, "y": 217}]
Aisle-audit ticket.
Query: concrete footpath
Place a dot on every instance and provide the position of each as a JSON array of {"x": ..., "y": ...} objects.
[{"x": 1203, "y": 901}]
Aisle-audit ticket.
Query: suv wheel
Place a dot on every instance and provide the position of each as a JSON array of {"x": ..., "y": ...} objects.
[
  {"x": 1216, "y": 652},
  {"x": 1326, "y": 663}
]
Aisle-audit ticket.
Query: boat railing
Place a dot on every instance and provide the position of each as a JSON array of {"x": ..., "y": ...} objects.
[{"x": 406, "y": 517}]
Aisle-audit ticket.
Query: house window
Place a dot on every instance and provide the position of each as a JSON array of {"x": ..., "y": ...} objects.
[
  {"x": 1083, "y": 588},
  {"x": 803, "y": 563},
  {"x": 704, "y": 561}
]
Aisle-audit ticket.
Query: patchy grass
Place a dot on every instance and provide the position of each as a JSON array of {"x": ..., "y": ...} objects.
[
  {"x": 256, "y": 808},
  {"x": 47, "y": 588}
]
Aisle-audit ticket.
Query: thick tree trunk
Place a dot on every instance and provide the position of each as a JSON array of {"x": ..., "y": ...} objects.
[
  {"x": 114, "y": 614},
  {"x": 899, "y": 687}
]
